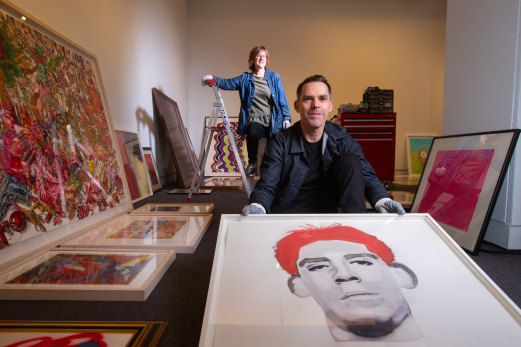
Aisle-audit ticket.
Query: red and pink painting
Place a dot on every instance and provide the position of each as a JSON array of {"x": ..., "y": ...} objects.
[{"x": 454, "y": 185}]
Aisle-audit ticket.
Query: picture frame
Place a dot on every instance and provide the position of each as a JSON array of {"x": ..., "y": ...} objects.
[
  {"x": 152, "y": 168},
  {"x": 181, "y": 233},
  {"x": 72, "y": 176},
  {"x": 417, "y": 151},
  {"x": 134, "y": 164},
  {"x": 181, "y": 149},
  {"x": 222, "y": 182},
  {"x": 132, "y": 334},
  {"x": 245, "y": 252},
  {"x": 220, "y": 159},
  {"x": 170, "y": 208},
  {"x": 86, "y": 275},
  {"x": 461, "y": 181}
]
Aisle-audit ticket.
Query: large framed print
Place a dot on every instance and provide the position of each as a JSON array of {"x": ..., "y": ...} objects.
[
  {"x": 80, "y": 333},
  {"x": 417, "y": 152},
  {"x": 86, "y": 274},
  {"x": 134, "y": 164},
  {"x": 152, "y": 168},
  {"x": 181, "y": 148},
  {"x": 328, "y": 279},
  {"x": 181, "y": 233},
  {"x": 174, "y": 208},
  {"x": 220, "y": 159},
  {"x": 58, "y": 163},
  {"x": 361, "y": 279},
  {"x": 461, "y": 182}
]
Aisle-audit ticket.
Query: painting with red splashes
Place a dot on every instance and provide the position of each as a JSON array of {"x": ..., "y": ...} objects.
[{"x": 57, "y": 159}]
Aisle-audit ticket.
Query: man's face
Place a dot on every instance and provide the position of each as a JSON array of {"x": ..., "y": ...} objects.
[
  {"x": 314, "y": 105},
  {"x": 351, "y": 284}
]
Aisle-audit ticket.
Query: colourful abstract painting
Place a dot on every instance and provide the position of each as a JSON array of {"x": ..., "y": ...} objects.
[
  {"x": 221, "y": 159},
  {"x": 57, "y": 158},
  {"x": 67, "y": 268},
  {"x": 454, "y": 186},
  {"x": 144, "y": 229}
]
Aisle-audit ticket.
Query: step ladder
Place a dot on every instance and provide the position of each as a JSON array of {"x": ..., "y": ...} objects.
[{"x": 218, "y": 109}]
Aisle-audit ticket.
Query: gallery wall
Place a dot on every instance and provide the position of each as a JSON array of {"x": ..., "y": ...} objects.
[
  {"x": 171, "y": 44},
  {"x": 395, "y": 44},
  {"x": 139, "y": 44}
]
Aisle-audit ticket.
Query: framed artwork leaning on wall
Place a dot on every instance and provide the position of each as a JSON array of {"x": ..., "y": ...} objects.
[{"x": 461, "y": 182}]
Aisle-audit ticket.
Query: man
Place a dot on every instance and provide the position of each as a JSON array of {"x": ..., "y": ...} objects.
[
  {"x": 315, "y": 166},
  {"x": 354, "y": 279}
]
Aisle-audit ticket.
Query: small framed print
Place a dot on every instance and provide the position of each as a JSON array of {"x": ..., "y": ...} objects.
[
  {"x": 417, "y": 152},
  {"x": 351, "y": 280},
  {"x": 86, "y": 274},
  {"x": 76, "y": 333},
  {"x": 134, "y": 164},
  {"x": 152, "y": 168},
  {"x": 174, "y": 208},
  {"x": 180, "y": 233},
  {"x": 461, "y": 182}
]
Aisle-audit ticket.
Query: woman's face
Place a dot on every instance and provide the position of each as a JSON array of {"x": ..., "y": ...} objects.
[{"x": 260, "y": 60}]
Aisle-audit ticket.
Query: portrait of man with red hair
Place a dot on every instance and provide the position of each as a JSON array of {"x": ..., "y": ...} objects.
[{"x": 354, "y": 278}]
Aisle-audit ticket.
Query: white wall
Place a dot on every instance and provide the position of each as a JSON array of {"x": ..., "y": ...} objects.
[
  {"x": 395, "y": 44},
  {"x": 139, "y": 44}
]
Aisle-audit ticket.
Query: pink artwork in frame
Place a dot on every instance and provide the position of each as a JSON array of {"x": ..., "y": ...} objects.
[{"x": 456, "y": 180}]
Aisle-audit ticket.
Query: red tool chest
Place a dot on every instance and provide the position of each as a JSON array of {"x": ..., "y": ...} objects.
[{"x": 376, "y": 133}]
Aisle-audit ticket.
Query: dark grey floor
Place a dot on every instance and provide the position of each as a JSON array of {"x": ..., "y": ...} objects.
[{"x": 180, "y": 296}]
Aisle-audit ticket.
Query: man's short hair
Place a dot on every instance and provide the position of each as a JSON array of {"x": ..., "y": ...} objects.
[
  {"x": 314, "y": 78},
  {"x": 288, "y": 248}
]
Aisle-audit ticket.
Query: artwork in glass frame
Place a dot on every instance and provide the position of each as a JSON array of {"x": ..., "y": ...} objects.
[
  {"x": 220, "y": 159},
  {"x": 78, "y": 333},
  {"x": 134, "y": 164},
  {"x": 366, "y": 279},
  {"x": 180, "y": 146},
  {"x": 58, "y": 163},
  {"x": 81, "y": 274},
  {"x": 223, "y": 182},
  {"x": 174, "y": 208},
  {"x": 461, "y": 182},
  {"x": 181, "y": 233},
  {"x": 417, "y": 152},
  {"x": 152, "y": 169}
]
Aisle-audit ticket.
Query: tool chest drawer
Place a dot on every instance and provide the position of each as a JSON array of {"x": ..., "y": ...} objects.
[{"x": 376, "y": 133}]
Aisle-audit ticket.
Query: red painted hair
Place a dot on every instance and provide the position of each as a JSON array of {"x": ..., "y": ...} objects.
[{"x": 288, "y": 248}]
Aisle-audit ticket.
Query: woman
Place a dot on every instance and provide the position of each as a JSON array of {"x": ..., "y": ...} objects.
[{"x": 264, "y": 107}]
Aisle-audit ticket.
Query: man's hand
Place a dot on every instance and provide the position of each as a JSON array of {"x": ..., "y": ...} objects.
[
  {"x": 253, "y": 209},
  {"x": 208, "y": 80},
  {"x": 286, "y": 124},
  {"x": 387, "y": 205}
]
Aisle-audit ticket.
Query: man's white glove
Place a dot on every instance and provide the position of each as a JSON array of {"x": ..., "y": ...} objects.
[
  {"x": 387, "y": 205},
  {"x": 208, "y": 80},
  {"x": 253, "y": 208},
  {"x": 286, "y": 124}
]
